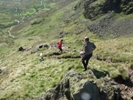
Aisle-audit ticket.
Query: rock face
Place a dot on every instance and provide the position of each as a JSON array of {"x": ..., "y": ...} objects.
[
  {"x": 85, "y": 86},
  {"x": 104, "y": 16},
  {"x": 109, "y": 25},
  {"x": 94, "y": 9},
  {"x": 89, "y": 91}
]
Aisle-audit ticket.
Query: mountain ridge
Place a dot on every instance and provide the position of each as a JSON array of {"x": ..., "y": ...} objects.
[{"x": 24, "y": 76}]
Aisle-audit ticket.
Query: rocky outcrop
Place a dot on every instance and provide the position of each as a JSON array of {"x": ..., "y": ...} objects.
[
  {"x": 83, "y": 86},
  {"x": 105, "y": 16},
  {"x": 108, "y": 25},
  {"x": 93, "y": 9}
]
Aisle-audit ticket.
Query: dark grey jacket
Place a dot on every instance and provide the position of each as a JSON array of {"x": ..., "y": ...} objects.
[{"x": 89, "y": 47}]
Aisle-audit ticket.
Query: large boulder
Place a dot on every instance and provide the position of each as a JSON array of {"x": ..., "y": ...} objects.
[
  {"x": 87, "y": 91},
  {"x": 83, "y": 86}
]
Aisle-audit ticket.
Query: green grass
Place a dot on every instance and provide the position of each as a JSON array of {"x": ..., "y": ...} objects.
[
  {"x": 114, "y": 69},
  {"x": 4, "y": 49},
  {"x": 24, "y": 76},
  {"x": 116, "y": 50},
  {"x": 33, "y": 77}
]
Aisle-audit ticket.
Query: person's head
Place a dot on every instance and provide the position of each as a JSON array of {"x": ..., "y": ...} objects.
[
  {"x": 61, "y": 39},
  {"x": 86, "y": 39}
]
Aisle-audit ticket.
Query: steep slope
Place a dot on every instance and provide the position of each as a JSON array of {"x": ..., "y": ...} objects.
[
  {"x": 16, "y": 11},
  {"x": 108, "y": 16},
  {"x": 23, "y": 76},
  {"x": 95, "y": 8}
]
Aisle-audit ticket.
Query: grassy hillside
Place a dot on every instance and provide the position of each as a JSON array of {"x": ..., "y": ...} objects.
[
  {"x": 23, "y": 76},
  {"x": 17, "y": 11}
]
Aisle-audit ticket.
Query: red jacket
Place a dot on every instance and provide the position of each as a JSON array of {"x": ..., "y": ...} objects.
[{"x": 60, "y": 44}]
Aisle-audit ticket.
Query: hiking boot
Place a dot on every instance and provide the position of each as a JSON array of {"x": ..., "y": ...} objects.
[{"x": 84, "y": 70}]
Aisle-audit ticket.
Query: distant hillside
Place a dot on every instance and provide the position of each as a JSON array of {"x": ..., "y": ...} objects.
[
  {"x": 108, "y": 16},
  {"x": 101, "y": 13},
  {"x": 104, "y": 18},
  {"x": 60, "y": 76},
  {"x": 16, "y": 11}
]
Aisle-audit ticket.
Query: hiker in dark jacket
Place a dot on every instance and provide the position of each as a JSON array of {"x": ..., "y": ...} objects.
[{"x": 86, "y": 54}]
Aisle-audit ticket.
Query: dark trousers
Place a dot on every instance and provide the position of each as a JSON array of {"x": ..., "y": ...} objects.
[
  {"x": 85, "y": 60},
  {"x": 60, "y": 49}
]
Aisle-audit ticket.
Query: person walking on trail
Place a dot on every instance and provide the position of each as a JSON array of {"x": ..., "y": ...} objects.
[
  {"x": 59, "y": 44},
  {"x": 87, "y": 52}
]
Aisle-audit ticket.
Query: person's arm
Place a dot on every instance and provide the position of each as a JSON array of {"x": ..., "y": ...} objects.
[
  {"x": 94, "y": 46},
  {"x": 83, "y": 50}
]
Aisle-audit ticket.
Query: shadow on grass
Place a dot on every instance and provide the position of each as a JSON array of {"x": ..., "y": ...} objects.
[
  {"x": 119, "y": 79},
  {"x": 100, "y": 74}
]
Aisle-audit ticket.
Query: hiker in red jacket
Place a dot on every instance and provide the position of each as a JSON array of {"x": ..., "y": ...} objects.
[{"x": 59, "y": 44}]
